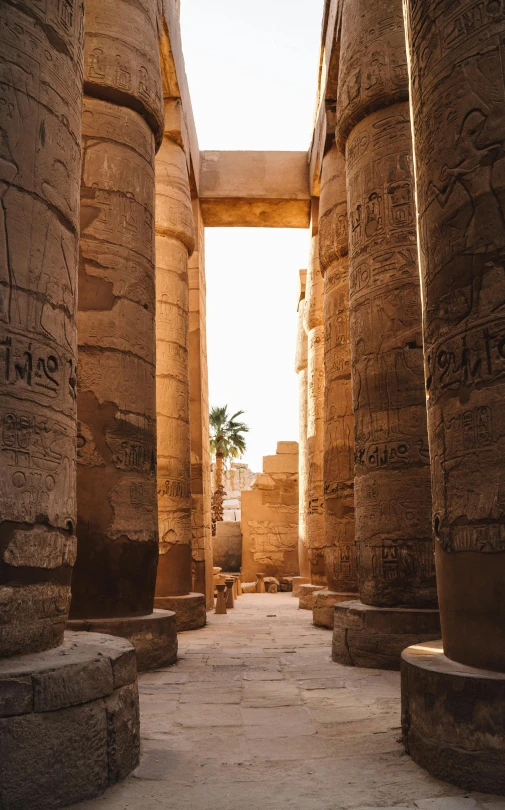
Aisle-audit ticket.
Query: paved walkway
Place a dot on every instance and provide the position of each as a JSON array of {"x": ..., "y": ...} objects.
[{"x": 256, "y": 716}]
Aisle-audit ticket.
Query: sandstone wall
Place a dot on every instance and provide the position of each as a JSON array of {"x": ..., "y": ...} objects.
[{"x": 270, "y": 517}]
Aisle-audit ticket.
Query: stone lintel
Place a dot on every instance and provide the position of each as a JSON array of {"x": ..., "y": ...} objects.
[
  {"x": 255, "y": 189},
  {"x": 374, "y": 637},
  {"x": 453, "y": 719}
]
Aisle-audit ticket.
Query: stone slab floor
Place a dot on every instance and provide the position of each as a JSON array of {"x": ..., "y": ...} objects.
[{"x": 255, "y": 715}]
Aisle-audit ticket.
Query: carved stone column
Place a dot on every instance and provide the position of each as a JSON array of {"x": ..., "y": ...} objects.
[
  {"x": 40, "y": 145},
  {"x": 313, "y": 321},
  {"x": 199, "y": 418},
  {"x": 458, "y": 102},
  {"x": 175, "y": 240},
  {"x": 392, "y": 472},
  {"x": 48, "y": 714},
  {"x": 117, "y": 556},
  {"x": 301, "y": 368},
  {"x": 339, "y": 541}
]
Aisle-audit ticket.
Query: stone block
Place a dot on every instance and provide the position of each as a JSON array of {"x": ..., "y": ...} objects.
[
  {"x": 307, "y": 596},
  {"x": 453, "y": 719},
  {"x": 154, "y": 638},
  {"x": 372, "y": 637},
  {"x": 190, "y": 610},
  {"x": 123, "y": 732},
  {"x": 297, "y": 584},
  {"x": 54, "y": 759},
  {"x": 323, "y": 612},
  {"x": 287, "y": 448},
  {"x": 285, "y": 463},
  {"x": 72, "y": 685},
  {"x": 16, "y": 696},
  {"x": 227, "y": 545}
]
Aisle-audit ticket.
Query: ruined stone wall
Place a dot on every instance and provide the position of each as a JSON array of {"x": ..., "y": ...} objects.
[
  {"x": 122, "y": 124},
  {"x": 339, "y": 540},
  {"x": 41, "y": 74},
  {"x": 227, "y": 545},
  {"x": 392, "y": 474},
  {"x": 270, "y": 517}
]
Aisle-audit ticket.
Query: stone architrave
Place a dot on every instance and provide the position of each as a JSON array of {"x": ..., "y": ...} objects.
[
  {"x": 340, "y": 558},
  {"x": 392, "y": 473},
  {"x": 313, "y": 321},
  {"x": 199, "y": 418},
  {"x": 458, "y": 102},
  {"x": 301, "y": 368},
  {"x": 41, "y": 51},
  {"x": 117, "y": 524},
  {"x": 175, "y": 241}
]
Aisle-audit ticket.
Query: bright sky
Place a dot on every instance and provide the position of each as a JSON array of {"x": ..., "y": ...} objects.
[{"x": 252, "y": 72}]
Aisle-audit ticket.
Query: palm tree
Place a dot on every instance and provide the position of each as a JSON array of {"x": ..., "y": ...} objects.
[{"x": 226, "y": 442}]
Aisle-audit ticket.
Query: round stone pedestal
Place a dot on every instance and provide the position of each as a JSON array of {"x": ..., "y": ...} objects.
[
  {"x": 69, "y": 722},
  {"x": 453, "y": 719},
  {"x": 154, "y": 636},
  {"x": 297, "y": 583},
  {"x": 190, "y": 610},
  {"x": 323, "y": 612},
  {"x": 373, "y": 637},
  {"x": 307, "y": 594}
]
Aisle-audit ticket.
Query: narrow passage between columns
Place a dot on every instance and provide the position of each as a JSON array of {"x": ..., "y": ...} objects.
[{"x": 256, "y": 715}]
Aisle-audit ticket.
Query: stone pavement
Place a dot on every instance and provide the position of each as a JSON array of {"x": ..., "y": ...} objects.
[{"x": 255, "y": 715}]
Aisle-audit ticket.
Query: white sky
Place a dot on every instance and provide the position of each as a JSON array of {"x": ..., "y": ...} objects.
[{"x": 252, "y": 72}]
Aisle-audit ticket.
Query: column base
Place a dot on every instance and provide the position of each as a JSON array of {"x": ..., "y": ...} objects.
[
  {"x": 154, "y": 636},
  {"x": 190, "y": 610},
  {"x": 323, "y": 612},
  {"x": 307, "y": 595},
  {"x": 453, "y": 719},
  {"x": 297, "y": 583},
  {"x": 69, "y": 722},
  {"x": 374, "y": 637}
]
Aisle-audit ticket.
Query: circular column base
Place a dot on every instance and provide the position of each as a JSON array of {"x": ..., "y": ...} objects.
[
  {"x": 297, "y": 583},
  {"x": 69, "y": 722},
  {"x": 154, "y": 636},
  {"x": 307, "y": 595},
  {"x": 453, "y": 719},
  {"x": 374, "y": 637},
  {"x": 323, "y": 612},
  {"x": 190, "y": 610}
]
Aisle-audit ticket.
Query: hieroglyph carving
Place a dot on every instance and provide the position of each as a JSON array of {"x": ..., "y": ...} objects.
[{"x": 269, "y": 541}]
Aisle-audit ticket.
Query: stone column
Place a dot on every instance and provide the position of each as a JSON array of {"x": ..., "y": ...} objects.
[
  {"x": 339, "y": 545},
  {"x": 392, "y": 473},
  {"x": 301, "y": 368},
  {"x": 458, "y": 102},
  {"x": 48, "y": 714},
  {"x": 40, "y": 145},
  {"x": 313, "y": 321},
  {"x": 175, "y": 241},
  {"x": 117, "y": 530},
  {"x": 199, "y": 418}
]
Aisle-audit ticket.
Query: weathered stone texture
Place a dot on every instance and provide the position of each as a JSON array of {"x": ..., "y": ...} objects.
[
  {"x": 117, "y": 514},
  {"x": 339, "y": 529},
  {"x": 373, "y": 67},
  {"x": 458, "y": 98},
  {"x": 366, "y": 636},
  {"x": 301, "y": 368},
  {"x": 68, "y": 726},
  {"x": 202, "y": 579},
  {"x": 314, "y": 327},
  {"x": 174, "y": 242},
  {"x": 453, "y": 719},
  {"x": 270, "y": 521},
  {"x": 121, "y": 56},
  {"x": 41, "y": 72},
  {"x": 227, "y": 545},
  {"x": 392, "y": 483}
]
